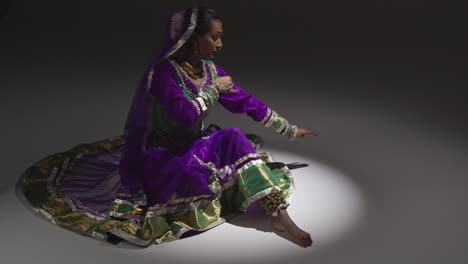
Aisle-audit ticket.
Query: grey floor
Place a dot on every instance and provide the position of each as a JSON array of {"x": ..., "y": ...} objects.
[{"x": 388, "y": 173}]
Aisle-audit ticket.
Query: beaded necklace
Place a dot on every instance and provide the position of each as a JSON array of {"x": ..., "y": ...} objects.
[{"x": 187, "y": 84}]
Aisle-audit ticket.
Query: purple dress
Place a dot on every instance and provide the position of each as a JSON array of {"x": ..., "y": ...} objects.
[
  {"x": 174, "y": 171},
  {"x": 194, "y": 178}
]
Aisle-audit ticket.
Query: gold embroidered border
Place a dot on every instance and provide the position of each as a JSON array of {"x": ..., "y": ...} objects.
[
  {"x": 199, "y": 104},
  {"x": 192, "y": 204},
  {"x": 248, "y": 165},
  {"x": 211, "y": 165},
  {"x": 203, "y": 106},
  {"x": 164, "y": 209},
  {"x": 181, "y": 72},
  {"x": 127, "y": 229},
  {"x": 141, "y": 242},
  {"x": 187, "y": 33},
  {"x": 271, "y": 119},
  {"x": 259, "y": 195},
  {"x": 213, "y": 71},
  {"x": 292, "y": 186},
  {"x": 246, "y": 157},
  {"x": 180, "y": 200},
  {"x": 276, "y": 122},
  {"x": 267, "y": 116},
  {"x": 153, "y": 211}
]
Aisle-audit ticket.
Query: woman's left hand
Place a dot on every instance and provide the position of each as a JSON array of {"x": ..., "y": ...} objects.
[{"x": 301, "y": 132}]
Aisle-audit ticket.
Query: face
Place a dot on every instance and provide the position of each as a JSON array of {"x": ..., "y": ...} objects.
[{"x": 210, "y": 43}]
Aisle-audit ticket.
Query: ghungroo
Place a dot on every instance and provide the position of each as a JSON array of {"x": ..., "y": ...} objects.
[{"x": 273, "y": 202}]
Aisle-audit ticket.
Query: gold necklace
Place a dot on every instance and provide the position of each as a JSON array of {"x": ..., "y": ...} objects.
[{"x": 193, "y": 72}]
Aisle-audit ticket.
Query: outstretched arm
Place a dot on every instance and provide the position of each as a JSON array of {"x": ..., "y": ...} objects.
[{"x": 243, "y": 102}]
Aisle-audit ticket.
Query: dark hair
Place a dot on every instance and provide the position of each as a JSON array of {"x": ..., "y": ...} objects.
[{"x": 204, "y": 19}]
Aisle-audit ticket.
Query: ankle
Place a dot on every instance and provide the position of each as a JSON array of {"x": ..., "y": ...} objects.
[{"x": 282, "y": 213}]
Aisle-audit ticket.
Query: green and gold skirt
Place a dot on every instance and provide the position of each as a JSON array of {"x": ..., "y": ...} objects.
[{"x": 78, "y": 189}]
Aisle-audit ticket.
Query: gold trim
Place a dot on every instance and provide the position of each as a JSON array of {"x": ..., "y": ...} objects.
[
  {"x": 213, "y": 71},
  {"x": 259, "y": 195},
  {"x": 181, "y": 72},
  {"x": 163, "y": 208},
  {"x": 282, "y": 126},
  {"x": 244, "y": 158},
  {"x": 133, "y": 239},
  {"x": 248, "y": 165},
  {"x": 202, "y": 103},
  {"x": 267, "y": 115},
  {"x": 197, "y": 106},
  {"x": 271, "y": 119},
  {"x": 192, "y": 204},
  {"x": 209, "y": 164},
  {"x": 180, "y": 200},
  {"x": 187, "y": 33}
]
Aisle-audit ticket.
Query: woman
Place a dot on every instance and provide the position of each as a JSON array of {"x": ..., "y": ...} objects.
[{"x": 169, "y": 174}]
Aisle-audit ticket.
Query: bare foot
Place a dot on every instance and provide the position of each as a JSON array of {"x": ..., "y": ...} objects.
[{"x": 284, "y": 223}]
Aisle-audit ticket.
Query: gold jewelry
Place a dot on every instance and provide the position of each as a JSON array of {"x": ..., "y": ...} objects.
[{"x": 193, "y": 72}]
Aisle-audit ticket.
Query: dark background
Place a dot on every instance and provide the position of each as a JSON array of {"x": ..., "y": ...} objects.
[{"x": 382, "y": 82}]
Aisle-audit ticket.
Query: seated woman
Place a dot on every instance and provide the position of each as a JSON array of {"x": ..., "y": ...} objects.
[{"x": 169, "y": 174}]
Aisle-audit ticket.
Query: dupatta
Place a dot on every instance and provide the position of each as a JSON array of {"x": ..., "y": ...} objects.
[{"x": 137, "y": 128}]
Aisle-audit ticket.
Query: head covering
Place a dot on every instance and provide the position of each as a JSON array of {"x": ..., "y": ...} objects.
[{"x": 180, "y": 26}]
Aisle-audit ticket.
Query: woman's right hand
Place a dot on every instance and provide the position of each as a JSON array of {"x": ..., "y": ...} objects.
[{"x": 226, "y": 82}]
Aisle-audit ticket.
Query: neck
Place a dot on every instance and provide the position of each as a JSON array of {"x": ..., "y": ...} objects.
[{"x": 195, "y": 61}]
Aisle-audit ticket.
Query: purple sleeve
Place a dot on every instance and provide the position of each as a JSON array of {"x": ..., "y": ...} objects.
[
  {"x": 241, "y": 101},
  {"x": 166, "y": 90}
]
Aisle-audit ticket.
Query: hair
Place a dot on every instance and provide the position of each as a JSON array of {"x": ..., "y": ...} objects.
[{"x": 204, "y": 19}]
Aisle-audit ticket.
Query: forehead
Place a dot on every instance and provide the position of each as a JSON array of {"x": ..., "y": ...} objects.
[{"x": 216, "y": 27}]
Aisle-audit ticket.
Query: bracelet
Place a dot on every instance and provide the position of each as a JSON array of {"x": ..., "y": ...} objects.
[
  {"x": 290, "y": 131},
  {"x": 278, "y": 123},
  {"x": 210, "y": 94}
]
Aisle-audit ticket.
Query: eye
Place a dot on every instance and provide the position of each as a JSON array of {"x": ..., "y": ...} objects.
[{"x": 216, "y": 37}]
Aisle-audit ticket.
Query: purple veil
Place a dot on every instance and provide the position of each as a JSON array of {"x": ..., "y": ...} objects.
[{"x": 179, "y": 27}]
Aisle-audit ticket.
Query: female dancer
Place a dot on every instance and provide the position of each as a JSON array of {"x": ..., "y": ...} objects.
[{"x": 169, "y": 174}]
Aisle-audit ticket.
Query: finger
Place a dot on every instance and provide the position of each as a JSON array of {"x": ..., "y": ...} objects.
[
  {"x": 232, "y": 90},
  {"x": 310, "y": 132}
]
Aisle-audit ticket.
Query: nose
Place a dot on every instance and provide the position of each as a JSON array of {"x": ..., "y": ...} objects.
[{"x": 220, "y": 44}]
